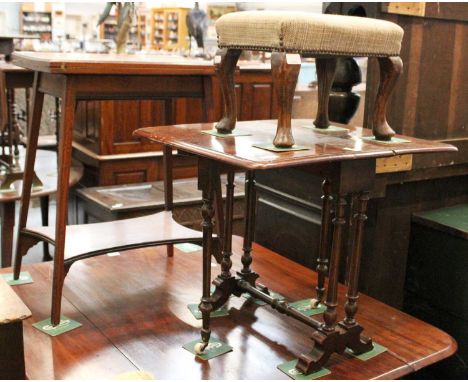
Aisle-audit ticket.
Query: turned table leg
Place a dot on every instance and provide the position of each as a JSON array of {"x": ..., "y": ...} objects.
[
  {"x": 225, "y": 66},
  {"x": 339, "y": 221},
  {"x": 206, "y": 182},
  {"x": 168, "y": 188},
  {"x": 325, "y": 74},
  {"x": 249, "y": 222},
  {"x": 285, "y": 71},
  {"x": 355, "y": 260},
  {"x": 322, "y": 260},
  {"x": 390, "y": 70},
  {"x": 226, "y": 262},
  {"x": 28, "y": 173}
]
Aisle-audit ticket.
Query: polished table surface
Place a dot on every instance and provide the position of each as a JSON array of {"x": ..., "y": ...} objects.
[
  {"x": 123, "y": 332},
  {"x": 320, "y": 147},
  {"x": 91, "y": 63}
]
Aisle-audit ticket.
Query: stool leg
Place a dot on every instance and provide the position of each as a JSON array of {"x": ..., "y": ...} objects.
[
  {"x": 285, "y": 71},
  {"x": 329, "y": 316},
  {"x": 64, "y": 164},
  {"x": 28, "y": 173},
  {"x": 325, "y": 74},
  {"x": 225, "y": 66},
  {"x": 390, "y": 70},
  {"x": 355, "y": 261},
  {"x": 322, "y": 260}
]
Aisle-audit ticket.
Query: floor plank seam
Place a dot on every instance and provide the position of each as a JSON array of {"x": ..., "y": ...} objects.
[{"x": 105, "y": 336}]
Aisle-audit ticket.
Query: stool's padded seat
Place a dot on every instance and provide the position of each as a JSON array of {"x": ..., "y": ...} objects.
[{"x": 313, "y": 33}]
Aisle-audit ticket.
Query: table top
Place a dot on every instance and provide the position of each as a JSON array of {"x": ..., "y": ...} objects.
[
  {"x": 92, "y": 63},
  {"x": 320, "y": 147},
  {"x": 8, "y": 67},
  {"x": 150, "y": 292},
  {"x": 143, "y": 64},
  {"x": 46, "y": 169}
]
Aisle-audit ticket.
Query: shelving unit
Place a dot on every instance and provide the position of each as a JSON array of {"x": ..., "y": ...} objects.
[
  {"x": 168, "y": 28},
  {"x": 138, "y": 31},
  {"x": 35, "y": 22},
  {"x": 108, "y": 29}
]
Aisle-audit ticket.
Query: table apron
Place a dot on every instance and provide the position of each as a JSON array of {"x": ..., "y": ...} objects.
[{"x": 113, "y": 87}]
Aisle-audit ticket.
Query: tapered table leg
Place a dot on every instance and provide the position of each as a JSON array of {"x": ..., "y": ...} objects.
[
  {"x": 28, "y": 173},
  {"x": 45, "y": 222},
  {"x": 7, "y": 211},
  {"x": 64, "y": 164}
]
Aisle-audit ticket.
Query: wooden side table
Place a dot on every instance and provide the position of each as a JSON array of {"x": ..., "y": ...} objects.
[
  {"x": 347, "y": 163},
  {"x": 74, "y": 77}
]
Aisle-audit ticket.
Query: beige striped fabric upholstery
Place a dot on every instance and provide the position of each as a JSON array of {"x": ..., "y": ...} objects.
[{"x": 312, "y": 33}]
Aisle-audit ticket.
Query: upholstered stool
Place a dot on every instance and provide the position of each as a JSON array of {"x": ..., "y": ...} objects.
[{"x": 290, "y": 35}]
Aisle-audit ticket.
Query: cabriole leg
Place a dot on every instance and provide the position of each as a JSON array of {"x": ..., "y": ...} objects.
[
  {"x": 285, "y": 71},
  {"x": 390, "y": 70},
  {"x": 325, "y": 74},
  {"x": 225, "y": 66}
]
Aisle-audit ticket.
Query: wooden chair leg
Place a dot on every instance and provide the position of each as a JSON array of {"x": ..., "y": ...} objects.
[
  {"x": 390, "y": 70},
  {"x": 225, "y": 66},
  {"x": 285, "y": 71},
  {"x": 64, "y": 152},
  {"x": 325, "y": 74},
  {"x": 28, "y": 173}
]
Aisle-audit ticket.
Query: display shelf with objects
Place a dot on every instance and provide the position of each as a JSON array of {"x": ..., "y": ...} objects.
[
  {"x": 35, "y": 22},
  {"x": 168, "y": 28}
]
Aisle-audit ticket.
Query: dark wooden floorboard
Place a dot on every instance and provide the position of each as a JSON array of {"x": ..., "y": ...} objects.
[{"x": 134, "y": 316}]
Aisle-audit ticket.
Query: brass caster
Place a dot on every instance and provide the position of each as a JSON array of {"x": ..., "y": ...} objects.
[
  {"x": 314, "y": 303},
  {"x": 200, "y": 347}
]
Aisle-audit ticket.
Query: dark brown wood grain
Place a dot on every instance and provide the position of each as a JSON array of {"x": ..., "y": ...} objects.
[
  {"x": 321, "y": 147},
  {"x": 79, "y": 77},
  {"x": 107, "y": 146},
  {"x": 148, "y": 336}
]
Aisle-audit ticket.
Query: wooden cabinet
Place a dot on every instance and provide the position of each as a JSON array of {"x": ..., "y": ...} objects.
[
  {"x": 168, "y": 28},
  {"x": 103, "y": 138}
]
